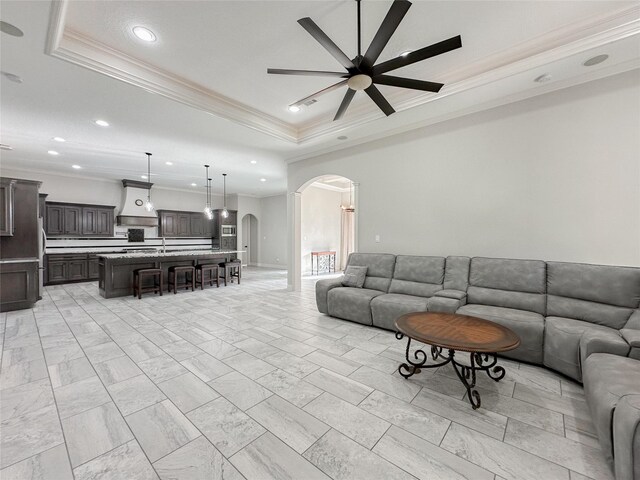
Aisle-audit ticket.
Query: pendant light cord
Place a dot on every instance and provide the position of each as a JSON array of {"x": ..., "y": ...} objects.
[
  {"x": 224, "y": 189},
  {"x": 148, "y": 176},
  {"x": 359, "y": 33}
]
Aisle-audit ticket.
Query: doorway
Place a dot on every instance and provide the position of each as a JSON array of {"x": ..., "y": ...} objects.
[{"x": 249, "y": 240}]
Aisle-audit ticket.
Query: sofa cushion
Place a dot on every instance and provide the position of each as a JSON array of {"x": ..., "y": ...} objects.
[
  {"x": 456, "y": 273},
  {"x": 379, "y": 269},
  {"x": 419, "y": 276},
  {"x": 529, "y": 326},
  {"x": 608, "y": 378},
  {"x": 354, "y": 276},
  {"x": 385, "y": 309},
  {"x": 600, "y": 294},
  {"x": 351, "y": 303},
  {"x": 562, "y": 343},
  {"x": 501, "y": 282}
]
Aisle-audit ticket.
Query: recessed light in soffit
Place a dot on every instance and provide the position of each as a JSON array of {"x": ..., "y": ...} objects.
[
  {"x": 595, "y": 60},
  {"x": 102, "y": 123},
  {"x": 10, "y": 29},
  {"x": 144, "y": 34}
]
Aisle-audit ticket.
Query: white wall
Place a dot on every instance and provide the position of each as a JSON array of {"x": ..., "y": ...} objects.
[
  {"x": 555, "y": 177},
  {"x": 273, "y": 231},
  {"x": 321, "y": 223}
]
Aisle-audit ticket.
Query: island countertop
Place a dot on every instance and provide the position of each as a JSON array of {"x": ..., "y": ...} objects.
[{"x": 172, "y": 253}]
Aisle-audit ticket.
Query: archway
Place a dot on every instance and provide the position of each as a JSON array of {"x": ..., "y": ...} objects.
[
  {"x": 332, "y": 225},
  {"x": 250, "y": 240}
]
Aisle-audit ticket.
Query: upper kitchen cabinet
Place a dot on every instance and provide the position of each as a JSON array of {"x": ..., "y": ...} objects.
[
  {"x": 183, "y": 224},
  {"x": 6, "y": 206},
  {"x": 78, "y": 220}
]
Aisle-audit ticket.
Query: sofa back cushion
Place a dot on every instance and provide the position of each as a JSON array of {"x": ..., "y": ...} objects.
[
  {"x": 501, "y": 282},
  {"x": 601, "y": 294},
  {"x": 379, "y": 269},
  {"x": 419, "y": 276},
  {"x": 456, "y": 274}
]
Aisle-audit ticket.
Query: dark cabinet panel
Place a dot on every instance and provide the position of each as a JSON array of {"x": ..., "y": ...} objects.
[
  {"x": 208, "y": 228},
  {"x": 73, "y": 221},
  {"x": 168, "y": 224},
  {"x": 18, "y": 285},
  {"x": 77, "y": 269},
  {"x": 89, "y": 221},
  {"x": 105, "y": 222},
  {"x": 93, "y": 268},
  {"x": 57, "y": 271},
  {"x": 55, "y": 220},
  {"x": 184, "y": 224},
  {"x": 197, "y": 225},
  {"x": 228, "y": 243},
  {"x": 6, "y": 208}
]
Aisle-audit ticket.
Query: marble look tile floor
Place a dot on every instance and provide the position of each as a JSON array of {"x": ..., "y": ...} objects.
[{"x": 250, "y": 381}]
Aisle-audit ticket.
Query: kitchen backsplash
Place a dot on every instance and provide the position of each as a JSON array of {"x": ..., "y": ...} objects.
[{"x": 119, "y": 243}]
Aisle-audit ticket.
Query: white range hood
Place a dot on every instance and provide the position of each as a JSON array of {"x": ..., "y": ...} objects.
[{"x": 133, "y": 213}]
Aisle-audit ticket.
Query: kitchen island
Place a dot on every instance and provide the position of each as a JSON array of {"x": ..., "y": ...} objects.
[{"x": 116, "y": 269}]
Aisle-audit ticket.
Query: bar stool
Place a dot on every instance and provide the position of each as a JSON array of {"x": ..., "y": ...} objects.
[
  {"x": 230, "y": 269},
  {"x": 212, "y": 269},
  {"x": 174, "y": 280},
  {"x": 138, "y": 279}
]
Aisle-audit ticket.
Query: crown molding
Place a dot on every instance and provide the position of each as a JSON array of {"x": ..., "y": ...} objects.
[{"x": 82, "y": 50}]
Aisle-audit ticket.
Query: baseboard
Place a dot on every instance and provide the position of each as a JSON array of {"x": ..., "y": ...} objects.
[{"x": 271, "y": 265}]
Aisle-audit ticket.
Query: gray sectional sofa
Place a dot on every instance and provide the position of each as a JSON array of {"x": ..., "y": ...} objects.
[{"x": 578, "y": 319}]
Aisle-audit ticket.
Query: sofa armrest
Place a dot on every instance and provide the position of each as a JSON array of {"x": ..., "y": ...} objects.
[
  {"x": 443, "y": 304},
  {"x": 631, "y": 336},
  {"x": 602, "y": 341},
  {"x": 454, "y": 294},
  {"x": 626, "y": 438},
  {"x": 322, "y": 291}
]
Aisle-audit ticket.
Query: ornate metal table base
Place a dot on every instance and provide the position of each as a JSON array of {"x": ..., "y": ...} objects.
[{"x": 485, "y": 362}]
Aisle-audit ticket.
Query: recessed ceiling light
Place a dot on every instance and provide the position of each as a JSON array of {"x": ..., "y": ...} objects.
[
  {"x": 77, "y": 167},
  {"x": 168, "y": 163},
  {"x": 595, "y": 60},
  {"x": 59, "y": 139},
  {"x": 342, "y": 137},
  {"x": 253, "y": 162},
  {"x": 405, "y": 53},
  {"x": 144, "y": 34},
  {"x": 53, "y": 152},
  {"x": 144, "y": 177},
  {"x": 263, "y": 179},
  {"x": 12, "y": 77},
  {"x": 194, "y": 184},
  {"x": 545, "y": 77},
  {"x": 102, "y": 123},
  {"x": 10, "y": 29},
  {"x": 294, "y": 108}
]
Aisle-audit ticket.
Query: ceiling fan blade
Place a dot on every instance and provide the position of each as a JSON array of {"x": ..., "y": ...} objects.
[
  {"x": 396, "y": 13},
  {"x": 345, "y": 104},
  {"x": 322, "y": 38},
  {"x": 418, "y": 55},
  {"x": 377, "y": 97},
  {"x": 311, "y": 73},
  {"x": 408, "y": 83},
  {"x": 319, "y": 93}
]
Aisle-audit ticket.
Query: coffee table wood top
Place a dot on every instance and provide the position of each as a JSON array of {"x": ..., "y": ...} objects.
[{"x": 457, "y": 332}]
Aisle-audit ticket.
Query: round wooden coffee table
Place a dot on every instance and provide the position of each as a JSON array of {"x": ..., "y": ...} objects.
[{"x": 482, "y": 339}]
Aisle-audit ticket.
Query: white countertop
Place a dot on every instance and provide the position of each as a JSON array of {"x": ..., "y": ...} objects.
[{"x": 182, "y": 253}]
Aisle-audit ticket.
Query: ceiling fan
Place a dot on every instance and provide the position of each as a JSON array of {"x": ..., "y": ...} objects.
[{"x": 361, "y": 72}]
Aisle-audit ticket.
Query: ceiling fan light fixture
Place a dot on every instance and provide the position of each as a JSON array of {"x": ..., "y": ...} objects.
[{"x": 359, "y": 82}]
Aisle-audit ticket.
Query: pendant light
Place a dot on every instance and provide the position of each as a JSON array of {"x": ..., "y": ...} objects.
[
  {"x": 225, "y": 212},
  {"x": 207, "y": 206},
  {"x": 350, "y": 208},
  {"x": 210, "y": 215},
  {"x": 148, "y": 206}
]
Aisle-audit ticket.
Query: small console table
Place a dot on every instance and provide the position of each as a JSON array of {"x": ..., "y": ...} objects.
[{"x": 324, "y": 261}]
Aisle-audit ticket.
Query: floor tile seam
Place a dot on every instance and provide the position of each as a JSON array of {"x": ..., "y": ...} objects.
[
  {"x": 55, "y": 400},
  {"x": 117, "y": 408},
  {"x": 465, "y": 426},
  {"x": 538, "y": 405},
  {"x": 34, "y": 455}
]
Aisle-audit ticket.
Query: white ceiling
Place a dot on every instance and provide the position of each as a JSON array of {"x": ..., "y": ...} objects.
[{"x": 211, "y": 58}]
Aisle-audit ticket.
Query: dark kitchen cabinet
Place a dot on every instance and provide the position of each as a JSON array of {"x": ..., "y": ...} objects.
[
  {"x": 78, "y": 220},
  {"x": 71, "y": 267},
  {"x": 184, "y": 224},
  {"x": 77, "y": 269},
  {"x": 57, "y": 270},
  {"x": 228, "y": 243},
  {"x": 219, "y": 220},
  {"x": 93, "y": 269},
  {"x": 6, "y": 208}
]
